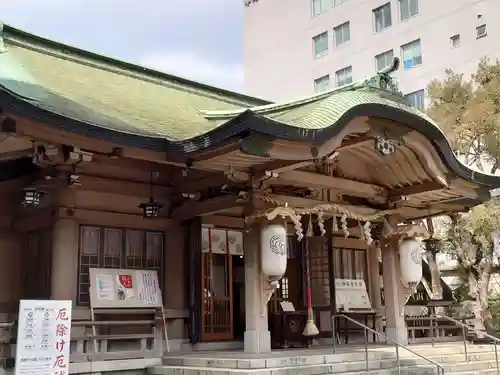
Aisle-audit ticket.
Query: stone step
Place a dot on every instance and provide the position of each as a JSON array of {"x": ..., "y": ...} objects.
[
  {"x": 478, "y": 372},
  {"x": 339, "y": 368},
  {"x": 382, "y": 361},
  {"x": 236, "y": 360}
]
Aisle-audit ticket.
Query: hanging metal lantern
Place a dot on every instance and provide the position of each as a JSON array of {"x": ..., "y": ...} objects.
[
  {"x": 32, "y": 197},
  {"x": 432, "y": 245},
  {"x": 150, "y": 209}
]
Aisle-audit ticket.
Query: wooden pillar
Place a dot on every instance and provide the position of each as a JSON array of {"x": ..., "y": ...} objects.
[
  {"x": 374, "y": 277},
  {"x": 65, "y": 246},
  {"x": 174, "y": 277},
  {"x": 257, "y": 338},
  {"x": 395, "y": 321},
  {"x": 64, "y": 273}
]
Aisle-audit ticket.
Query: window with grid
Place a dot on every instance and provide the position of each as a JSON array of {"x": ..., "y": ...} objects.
[
  {"x": 320, "y": 273},
  {"x": 350, "y": 264},
  {"x": 117, "y": 248},
  {"x": 343, "y": 76},
  {"x": 322, "y": 84},
  {"x": 320, "y": 6},
  {"x": 342, "y": 33},
  {"x": 407, "y": 9},
  {"x": 412, "y": 54},
  {"x": 384, "y": 60},
  {"x": 382, "y": 17},
  {"x": 481, "y": 31},
  {"x": 320, "y": 45},
  {"x": 416, "y": 99},
  {"x": 283, "y": 289},
  {"x": 455, "y": 40}
]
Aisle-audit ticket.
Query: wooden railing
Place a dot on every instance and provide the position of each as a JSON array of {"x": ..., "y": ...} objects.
[
  {"x": 432, "y": 329},
  {"x": 113, "y": 345},
  {"x": 114, "y": 339}
]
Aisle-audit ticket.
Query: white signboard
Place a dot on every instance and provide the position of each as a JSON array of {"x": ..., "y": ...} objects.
[
  {"x": 115, "y": 288},
  {"x": 351, "y": 295},
  {"x": 43, "y": 337}
]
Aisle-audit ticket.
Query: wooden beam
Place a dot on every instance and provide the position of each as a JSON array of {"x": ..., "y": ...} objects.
[
  {"x": 350, "y": 187},
  {"x": 279, "y": 166},
  {"x": 224, "y": 221},
  {"x": 192, "y": 209},
  {"x": 349, "y": 243},
  {"x": 355, "y": 143},
  {"x": 206, "y": 155},
  {"x": 216, "y": 179},
  {"x": 15, "y": 154},
  {"x": 115, "y": 219},
  {"x": 417, "y": 189},
  {"x": 135, "y": 189},
  {"x": 299, "y": 202}
]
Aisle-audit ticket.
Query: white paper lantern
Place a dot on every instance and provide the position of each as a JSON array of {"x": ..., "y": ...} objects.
[
  {"x": 410, "y": 258},
  {"x": 273, "y": 250}
]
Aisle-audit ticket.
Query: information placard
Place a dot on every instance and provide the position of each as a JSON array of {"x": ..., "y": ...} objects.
[
  {"x": 352, "y": 295},
  {"x": 43, "y": 337},
  {"x": 116, "y": 288}
]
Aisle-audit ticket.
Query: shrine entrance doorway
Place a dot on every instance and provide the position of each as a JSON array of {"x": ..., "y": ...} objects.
[{"x": 221, "y": 250}]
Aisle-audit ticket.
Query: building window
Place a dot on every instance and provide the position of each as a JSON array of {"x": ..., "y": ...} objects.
[
  {"x": 416, "y": 99},
  {"x": 322, "y": 84},
  {"x": 320, "y": 6},
  {"x": 350, "y": 264},
  {"x": 320, "y": 44},
  {"x": 382, "y": 17},
  {"x": 342, "y": 34},
  {"x": 408, "y": 9},
  {"x": 343, "y": 76},
  {"x": 320, "y": 272},
  {"x": 481, "y": 31},
  {"x": 338, "y": 2},
  {"x": 384, "y": 60},
  {"x": 455, "y": 40},
  {"x": 412, "y": 54},
  {"x": 284, "y": 288},
  {"x": 117, "y": 248}
]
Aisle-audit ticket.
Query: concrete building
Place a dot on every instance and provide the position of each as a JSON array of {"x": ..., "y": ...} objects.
[
  {"x": 311, "y": 45},
  {"x": 116, "y": 171}
]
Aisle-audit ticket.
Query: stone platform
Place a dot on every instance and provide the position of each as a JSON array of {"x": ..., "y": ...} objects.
[{"x": 348, "y": 360}]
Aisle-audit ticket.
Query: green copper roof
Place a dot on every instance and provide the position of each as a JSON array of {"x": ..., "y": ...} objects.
[
  {"x": 108, "y": 93},
  {"x": 81, "y": 92}
]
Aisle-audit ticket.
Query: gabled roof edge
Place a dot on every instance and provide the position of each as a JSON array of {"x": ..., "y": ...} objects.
[
  {"x": 249, "y": 122},
  {"x": 6, "y": 30}
]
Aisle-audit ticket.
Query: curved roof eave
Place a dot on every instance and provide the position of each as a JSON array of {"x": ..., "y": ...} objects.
[{"x": 248, "y": 122}]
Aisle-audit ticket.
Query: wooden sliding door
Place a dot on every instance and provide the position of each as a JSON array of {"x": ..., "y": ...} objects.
[{"x": 217, "y": 285}]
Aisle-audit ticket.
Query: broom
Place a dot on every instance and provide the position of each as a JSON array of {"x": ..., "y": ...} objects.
[{"x": 310, "y": 328}]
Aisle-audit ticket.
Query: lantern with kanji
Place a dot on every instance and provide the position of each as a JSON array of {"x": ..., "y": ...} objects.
[
  {"x": 410, "y": 258},
  {"x": 273, "y": 250}
]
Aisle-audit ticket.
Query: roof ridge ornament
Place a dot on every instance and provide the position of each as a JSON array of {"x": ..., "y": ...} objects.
[{"x": 383, "y": 80}]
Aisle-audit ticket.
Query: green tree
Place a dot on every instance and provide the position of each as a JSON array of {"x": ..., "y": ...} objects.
[
  {"x": 468, "y": 112},
  {"x": 471, "y": 239}
]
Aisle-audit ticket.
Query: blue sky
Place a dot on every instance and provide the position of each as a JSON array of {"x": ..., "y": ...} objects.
[{"x": 197, "y": 39}]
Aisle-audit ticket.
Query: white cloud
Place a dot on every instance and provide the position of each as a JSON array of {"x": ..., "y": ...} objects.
[{"x": 194, "y": 67}]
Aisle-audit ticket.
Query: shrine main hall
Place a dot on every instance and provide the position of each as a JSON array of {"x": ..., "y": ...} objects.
[{"x": 109, "y": 165}]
